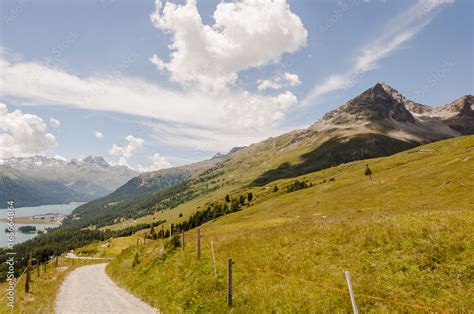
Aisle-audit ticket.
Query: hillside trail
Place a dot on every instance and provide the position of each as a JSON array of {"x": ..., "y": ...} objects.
[{"x": 89, "y": 289}]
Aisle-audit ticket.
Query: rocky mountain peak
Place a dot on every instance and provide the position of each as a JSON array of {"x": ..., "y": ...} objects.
[
  {"x": 463, "y": 106},
  {"x": 379, "y": 103},
  {"x": 96, "y": 160}
]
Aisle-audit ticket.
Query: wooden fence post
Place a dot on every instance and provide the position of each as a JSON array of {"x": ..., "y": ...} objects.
[
  {"x": 28, "y": 275},
  {"x": 199, "y": 243},
  {"x": 57, "y": 261},
  {"x": 182, "y": 235},
  {"x": 213, "y": 258},
  {"x": 229, "y": 282},
  {"x": 171, "y": 230},
  {"x": 38, "y": 269},
  {"x": 73, "y": 261},
  {"x": 45, "y": 266},
  {"x": 351, "y": 293}
]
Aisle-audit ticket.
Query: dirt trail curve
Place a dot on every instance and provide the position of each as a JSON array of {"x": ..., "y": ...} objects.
[{"x": 88, "y": 289}]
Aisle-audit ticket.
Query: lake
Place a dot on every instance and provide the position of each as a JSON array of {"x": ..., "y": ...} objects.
[{"x": 30, "y": 211}]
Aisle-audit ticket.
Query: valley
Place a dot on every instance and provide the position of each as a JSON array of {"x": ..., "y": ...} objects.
[
  {"x": 236, "y": 156},
  {"x": 296, "y": 211},
  {"x": 400, "y": 235}
]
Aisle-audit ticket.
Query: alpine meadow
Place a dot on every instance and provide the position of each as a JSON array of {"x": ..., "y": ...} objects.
[{"x": 238, "y": 156}]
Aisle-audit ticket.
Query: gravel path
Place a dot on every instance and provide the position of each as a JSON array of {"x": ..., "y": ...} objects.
[{"x": 89, "y": 289}]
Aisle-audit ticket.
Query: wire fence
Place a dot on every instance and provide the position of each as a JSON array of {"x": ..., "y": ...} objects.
[{"x": 320, "y": 285}]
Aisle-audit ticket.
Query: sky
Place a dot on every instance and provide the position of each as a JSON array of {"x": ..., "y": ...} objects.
[{"x": 155, "y": 84}]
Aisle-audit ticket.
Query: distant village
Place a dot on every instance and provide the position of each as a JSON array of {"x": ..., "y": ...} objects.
[{"x": 51, "y": 217}]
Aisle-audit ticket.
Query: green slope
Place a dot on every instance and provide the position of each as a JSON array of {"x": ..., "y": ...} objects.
[
  {"x": 286, "y": 156},
  {"x": 375, "y": 123},
  {"x": 406, "y": 236},
  {"x": 26, "y": 191}
]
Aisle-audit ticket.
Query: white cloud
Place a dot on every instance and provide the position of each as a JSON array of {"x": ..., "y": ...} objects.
[
  {"x": 229, "y": 109},
  {"x": 293, "y": 79},
  {"x": 246, "y": 34},
  {"x": 23, "y": 135},
  {"x": 99, "y": 135},
  {"x": 280, "y": 81},
  {"x": 268, "y": 84},
  {"x": 134, "y": 144},
  {"x": 54, "y": 122},
  {"x": 398, "y": 31},
  {"x": 158, "y": 162},
  {"x": 204, "y": 58}
]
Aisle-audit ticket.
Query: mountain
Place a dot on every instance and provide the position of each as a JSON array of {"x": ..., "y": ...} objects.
[
  {"x": 376, "y": 123},
  {"x": 74, "y": 180},
  {"x": 400, "y": 234},
  {"x": 26, "y": 191}
]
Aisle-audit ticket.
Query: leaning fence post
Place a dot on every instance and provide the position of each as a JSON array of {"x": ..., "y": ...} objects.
[
  {"x": 213, "y": 258},
  {"x": 199, "y": 243},
  {"x": 229, "y": 282},
  {"x": 351, "y": 293}
]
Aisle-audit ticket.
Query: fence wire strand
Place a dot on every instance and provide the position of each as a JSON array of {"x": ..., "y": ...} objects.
[{"x": 341, "y": 290}]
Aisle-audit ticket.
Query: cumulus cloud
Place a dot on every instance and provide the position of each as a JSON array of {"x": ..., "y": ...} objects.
[
  {"x": 54, "y": 122},
  {"x": 99, "y": 135},
  {"x": 23, "y": 135},
  {"x": 158, "y": 162},
  {"x": 134, "y": 144},
  {"x": 205, "y": 59},
  {"x": 246, "y": 34},
  {"x": 281, "y": 81},
  {"x": 398, "y": 31},
  {"x": 292, "y": 79}
]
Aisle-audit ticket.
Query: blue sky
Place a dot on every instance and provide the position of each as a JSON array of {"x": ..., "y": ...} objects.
[{"x": 90, "y": 65}]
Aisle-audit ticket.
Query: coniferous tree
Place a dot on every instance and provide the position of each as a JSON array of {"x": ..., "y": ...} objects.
[
  {"x": 250, "y": 197},
  {"x": 368, "y": 172}
]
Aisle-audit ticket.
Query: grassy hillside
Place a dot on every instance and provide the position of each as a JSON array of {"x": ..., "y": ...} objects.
[{"x": 406, "y": 236}]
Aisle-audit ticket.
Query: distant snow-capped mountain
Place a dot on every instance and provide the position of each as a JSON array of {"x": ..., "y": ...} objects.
[{"x": 83, "y": 179}]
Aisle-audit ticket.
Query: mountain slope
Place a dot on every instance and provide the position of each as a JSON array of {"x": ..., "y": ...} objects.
[
  {"x": 400, "y": 235},
  {"x": 76, "y": 180},
  {"x": 26, "y": 191},
  {"x": 141, "y": 195},
  {"x": 379, "y": 122}
]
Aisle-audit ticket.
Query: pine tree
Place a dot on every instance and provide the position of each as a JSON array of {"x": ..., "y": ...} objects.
[
  {"x": 250, "y": 197},
  {"x": 368, "y": 172},
  {"x": 227, "y": 198}
]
